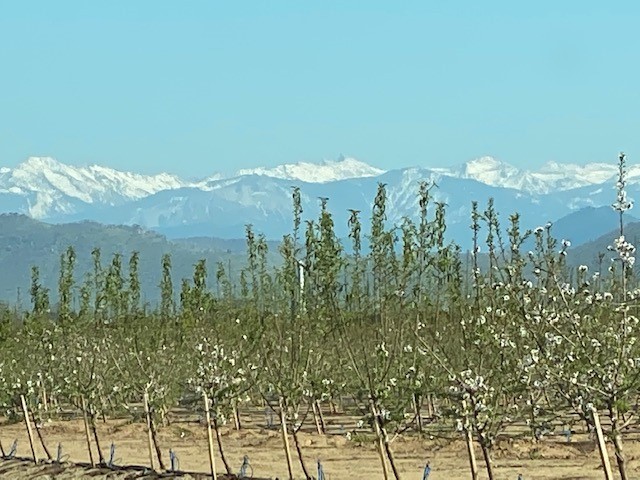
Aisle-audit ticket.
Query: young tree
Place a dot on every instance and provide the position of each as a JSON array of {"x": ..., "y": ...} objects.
[{"x": 591, "y": 351}]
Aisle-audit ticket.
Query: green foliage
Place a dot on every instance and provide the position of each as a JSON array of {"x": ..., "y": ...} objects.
[
  {"x": 25, "y": 242},
  {"x": 493, "y": 337}
]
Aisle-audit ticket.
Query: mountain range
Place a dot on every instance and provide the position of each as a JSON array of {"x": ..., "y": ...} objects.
[{"x": 221, "y": 206}]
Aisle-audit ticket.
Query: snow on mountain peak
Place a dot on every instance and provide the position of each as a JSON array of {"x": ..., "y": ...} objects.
[
  {"x": 37, "y": 163},
  {"x": 552, "y": 176},
  {"x": 52, "y": 186},
  {"x": 487, "y": 170},
  {"x": 565, "y": 176},
  {"x": 494, "y": 172},
  {"x": 47, "y": 189},
  {"x": 327, "y": 171}
]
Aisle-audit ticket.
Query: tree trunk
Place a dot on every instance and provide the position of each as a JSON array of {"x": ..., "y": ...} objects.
[
  {"x": 487, "y": 457},
  {"x": 620, "y": 458},
  {"x": 156, "y": 444},
  {"x": 616, "y": 438},
  {"x": 532, "y": 419},
  {"x": 220, "y": 449},
  {"x": 94, "y": 430},
  {"x": 44, "y": 446},
  {"x": 417, "y": 403},
  {"x": 387, "y": 449},
  {"x": 299, "y": 450}
]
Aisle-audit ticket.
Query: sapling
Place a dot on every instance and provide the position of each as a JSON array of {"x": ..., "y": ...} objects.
[
  {"x": 148, "y": 361},
  {"x": 302, "y": 313},
  {"x": 218, "y": 373},
  {"x": 372, "y": 334},
  {"x": 28, "y": 362},
  {"x": 167, "y": 302},
  {"x": 594, "y": 356},
  {"x": 479, "y": 345}
]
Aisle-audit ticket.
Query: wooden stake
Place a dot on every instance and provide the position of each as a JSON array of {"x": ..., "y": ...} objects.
[
  {"x": 323, "y": 426},
  {"x": 418, "y": 411},
  {"x": 380, "y": 442},
  {"x": 285, "y": 438},
  {"x": 469, "y": 440},
  {"x": 236, "y": 416},
  {"x": 28, "y": 423},
  {"x": 212, "y": 460},
  {"x": 471, "y": 453},
  {"x": 149, "y": 434},
  {"x": 430, "y": 412},
  {"x": 316, "y": 418},
  {"x": 86, "y": 430},
  {"x": 45, "y": 402},
  {"x": 602, "y": 446}
]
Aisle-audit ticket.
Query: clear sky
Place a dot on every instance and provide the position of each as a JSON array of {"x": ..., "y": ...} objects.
[{"x": 194, "y": 87}]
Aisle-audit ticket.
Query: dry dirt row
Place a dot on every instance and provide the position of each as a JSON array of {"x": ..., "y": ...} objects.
[
  {"x": 341, "y": 458},
  {"x": 22, "y": 469}
]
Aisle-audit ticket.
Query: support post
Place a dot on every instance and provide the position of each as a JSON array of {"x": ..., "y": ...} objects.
[
  {"x": 149, "y": 433},
  {"x": 212, "y": 460},
  {"x": 602, "y": 446},
  {"x": 28, "y": 424}
]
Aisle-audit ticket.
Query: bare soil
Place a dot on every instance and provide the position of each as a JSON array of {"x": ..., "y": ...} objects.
[
  {"x": 342, "y": 458},
  {"x": 23, "y": 468}
]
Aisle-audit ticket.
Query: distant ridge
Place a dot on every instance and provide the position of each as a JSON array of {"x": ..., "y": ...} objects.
[
  {"x": 25, "y": 242},
  {"x": 326, "y": 171},
  {"x": 221, "y": 206}
]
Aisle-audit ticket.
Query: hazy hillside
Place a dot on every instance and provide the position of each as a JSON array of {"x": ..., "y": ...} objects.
[
  {"x": 588, "y": 253},
  {"x": 589, "y": 224},
  {"x": 25, "y": 242},
  {"x": 221, "y": 245}
]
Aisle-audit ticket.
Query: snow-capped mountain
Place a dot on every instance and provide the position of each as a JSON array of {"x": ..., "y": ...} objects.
[
  {"x": 221, "y": 206},
  {"x": 49, "y": 187},
  {"x": 551, "y": 177},
  {"x": 490, "y": 171},
  {"x": 327, "y": 171}
]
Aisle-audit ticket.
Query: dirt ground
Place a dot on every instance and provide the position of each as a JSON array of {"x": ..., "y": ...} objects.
[
  {"x": 22, "y": 469},
  {"x": 341, "y": 458}
]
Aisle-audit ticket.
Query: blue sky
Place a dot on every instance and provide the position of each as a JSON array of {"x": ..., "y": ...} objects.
[{"x": 195, "y": 87}]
